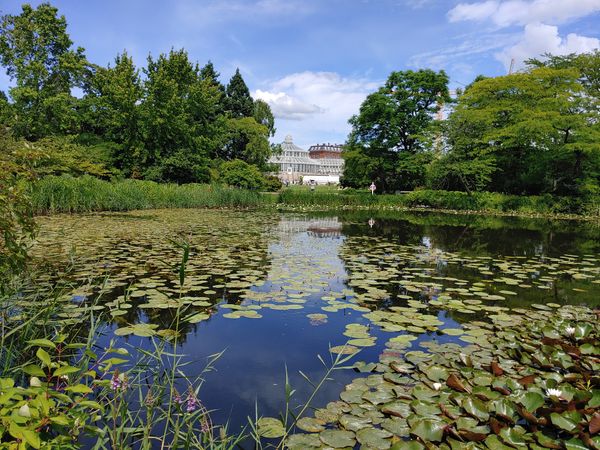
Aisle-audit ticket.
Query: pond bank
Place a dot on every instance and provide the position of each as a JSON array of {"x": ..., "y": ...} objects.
[{"x": 52, "y": 195}]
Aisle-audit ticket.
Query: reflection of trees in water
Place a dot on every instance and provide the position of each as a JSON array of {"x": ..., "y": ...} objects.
[
  {"x": 479, "y": 234},
  {"x": 225, "y": 246}
]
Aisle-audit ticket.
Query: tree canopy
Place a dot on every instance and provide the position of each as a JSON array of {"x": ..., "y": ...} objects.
[
  {"x": 171, "y": 120},
  {"x": 390, "y": 131}
]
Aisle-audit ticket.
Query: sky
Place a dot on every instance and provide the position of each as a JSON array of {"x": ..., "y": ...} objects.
[{"x": 315, "y": 61}]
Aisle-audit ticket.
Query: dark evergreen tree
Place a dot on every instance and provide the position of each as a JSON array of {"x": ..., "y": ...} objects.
[
  {"x": 239, "y": 102},
  {"x": 208, "y": 73}
]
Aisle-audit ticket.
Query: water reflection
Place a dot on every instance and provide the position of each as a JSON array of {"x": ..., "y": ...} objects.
[{"x": 288, "y": 269}]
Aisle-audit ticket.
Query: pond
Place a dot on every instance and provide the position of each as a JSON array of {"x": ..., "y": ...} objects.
[{"x": 273, "y": 291}]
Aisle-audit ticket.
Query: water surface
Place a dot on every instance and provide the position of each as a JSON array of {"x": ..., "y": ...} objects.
[{"x": 272, "y": 291}]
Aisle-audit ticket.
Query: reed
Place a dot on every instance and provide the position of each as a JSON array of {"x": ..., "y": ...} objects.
[{"x": 89, "y": 194}]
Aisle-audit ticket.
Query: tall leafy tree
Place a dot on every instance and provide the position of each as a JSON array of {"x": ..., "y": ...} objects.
[
  {"x": 248, "y": 141},
  {"x": 389, "y": 133},
  {"x": 37, "y": 52},
  {"x": 111, "y": 108},
  {"x": 239, "y": 101},
  {"x": 263, "y": 115},
  {"x": 181, "y": 120},
  {"x": 531, "y": 132}
]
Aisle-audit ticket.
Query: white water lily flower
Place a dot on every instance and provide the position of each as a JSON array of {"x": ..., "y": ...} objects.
[
  {"x": 437, "y": 386},
  {"x": 553, "y": 392},
  {"x": 570, "y": 330}
]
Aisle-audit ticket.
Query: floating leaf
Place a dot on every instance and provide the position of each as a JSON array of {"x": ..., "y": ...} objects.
[{"x": 270, "y": 427}]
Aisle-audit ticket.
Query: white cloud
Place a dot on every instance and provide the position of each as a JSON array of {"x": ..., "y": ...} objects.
[
  {"x": 315, "y": 106},
  {"x": 539, "y": 38},
  {"x": 523, "y": 12},
  {"x": 466, "y": 48},
  {"x": 287, "y": 107}
]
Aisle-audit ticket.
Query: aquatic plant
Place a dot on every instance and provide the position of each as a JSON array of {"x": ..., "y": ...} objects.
[
  {"x": 530, "y": 381},
  {"x": 88, "y": 194}
]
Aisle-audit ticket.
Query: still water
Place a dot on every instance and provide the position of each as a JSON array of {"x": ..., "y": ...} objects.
[{"x": 274, "y": 291}]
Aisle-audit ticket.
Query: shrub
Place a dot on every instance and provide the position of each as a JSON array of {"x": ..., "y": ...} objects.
[
  {"x": 272, "y": 184},
  {"x": 242, "y": 175}
]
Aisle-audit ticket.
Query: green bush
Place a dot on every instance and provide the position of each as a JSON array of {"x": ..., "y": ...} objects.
[
  {"x": 272, "y": 184},
  {"x": 240, "y": 174}
]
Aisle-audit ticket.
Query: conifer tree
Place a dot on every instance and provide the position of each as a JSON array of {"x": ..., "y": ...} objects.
[{"x": 239, "y": 102}]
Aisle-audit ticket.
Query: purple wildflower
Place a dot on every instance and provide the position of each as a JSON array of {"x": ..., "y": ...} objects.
[
  {"x": 192, "y": 402},
  {"x": 178, "y": 399},
  {"x": 118, "y": 381},
  {"x": 205, "y": 426}
]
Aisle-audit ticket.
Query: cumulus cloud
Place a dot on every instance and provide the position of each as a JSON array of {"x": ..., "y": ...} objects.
[
  {"x": 315, "y": 106},
  {"x": 523, "y": 12},
  {"x": 539, "y": 38},
  {"x": 285, "y": 106}
]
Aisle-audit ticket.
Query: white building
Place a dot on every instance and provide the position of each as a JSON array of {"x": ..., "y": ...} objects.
[{"x": 296, "y": 165}]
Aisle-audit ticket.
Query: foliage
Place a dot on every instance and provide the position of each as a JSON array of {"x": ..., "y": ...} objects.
[
  {"x": 36, "y": 51},
  {"x": 241, "y": 175},
  {"x": 238, "y": 102},
  {"x": 246, "y": 140},
  {"x": 264, "y": 116},
  {"x": 110, "y": 108},
  {"x": 17, "y": 226},
  {"x": 587, "y": 64},
  {"x": 272, "y": 184},
  {"x": 183, "y": 166},
  {"x": 391, "y": 128},
  {"x": 87, "y": 194},
  {"x": 525, "y": 133}
]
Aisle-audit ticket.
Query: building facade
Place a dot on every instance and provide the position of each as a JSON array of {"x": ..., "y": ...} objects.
[{"x": 321, "y": 164}]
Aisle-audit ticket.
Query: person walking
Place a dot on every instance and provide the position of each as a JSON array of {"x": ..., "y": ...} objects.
[{"x": 372, "y": 187}]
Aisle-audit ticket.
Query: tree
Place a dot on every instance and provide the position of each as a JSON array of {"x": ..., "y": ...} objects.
[
  {"x": 180, "y": 118},
  {"x": 526, "y": 133},
  {"x": 247, "y": 140},
  {"x": 587, "y": 64},
  {"x": 390, "y": 131},
  {"x": 111, "y": 108},
  {"x": 239, "y": 102},
  {"x": 37, "y": 52},
  {"x": 263, "y": 115}
]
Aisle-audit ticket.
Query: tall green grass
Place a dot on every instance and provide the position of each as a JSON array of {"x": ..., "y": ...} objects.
[
  {"x": 442, "y": 200},
  {"x": 87, "y": 194}
]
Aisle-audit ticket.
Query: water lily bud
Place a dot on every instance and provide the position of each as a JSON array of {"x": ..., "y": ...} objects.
[
  {"x": 24, "y": 411},
  {"x": 437, "y": 386},
  {"x": 35, "y": 382}
]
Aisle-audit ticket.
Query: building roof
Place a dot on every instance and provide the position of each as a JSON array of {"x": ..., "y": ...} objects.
[
  {"x": 335, "y": 148},
  {"x": 288, "y": 145}
]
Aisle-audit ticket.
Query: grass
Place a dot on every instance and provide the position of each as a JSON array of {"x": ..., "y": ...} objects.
[
  {"x": 484, "y": 202},
  {"x": 88, "y": 194}
]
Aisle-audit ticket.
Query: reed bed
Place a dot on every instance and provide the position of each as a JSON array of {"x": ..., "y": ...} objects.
[{"x": 88, "y": 194}]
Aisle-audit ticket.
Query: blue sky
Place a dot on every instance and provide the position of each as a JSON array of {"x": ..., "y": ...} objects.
[{"x": 315, "y": 61}]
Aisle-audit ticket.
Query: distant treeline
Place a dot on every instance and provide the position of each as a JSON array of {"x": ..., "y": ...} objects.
[
  {"x": 170, "y": 121},
  {"x": 533, "y": 132}
]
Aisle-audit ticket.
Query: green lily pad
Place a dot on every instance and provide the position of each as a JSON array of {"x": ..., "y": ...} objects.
[
  {"x": 338, "y": 438},
  {"x": 270, "y": 427}
]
